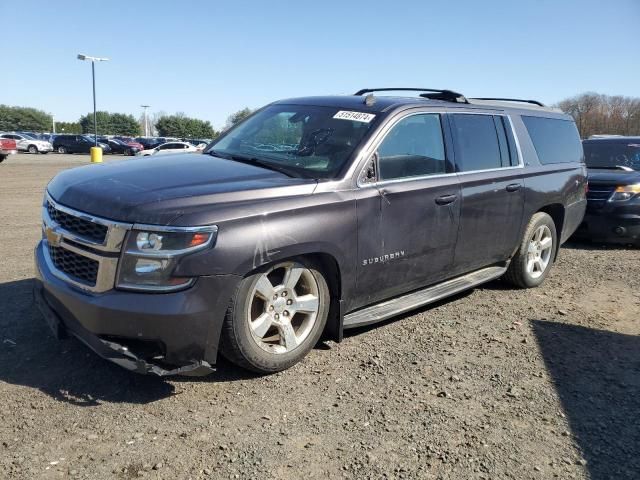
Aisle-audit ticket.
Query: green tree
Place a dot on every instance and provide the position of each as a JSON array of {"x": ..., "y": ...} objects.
[
  {"x": 110, "y": 124},
  {"x": 238, "y": 116},
  {"x": 24, "y": 118},
  {"x": 181, "y": 126},
  {"x": 68, "y": 127}
]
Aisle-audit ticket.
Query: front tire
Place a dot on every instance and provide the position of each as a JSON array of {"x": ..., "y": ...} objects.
[
  {"x": 531, "y": 264},
  {"x": 276, "y": 316},
  {"x": 62, "y": 149}
]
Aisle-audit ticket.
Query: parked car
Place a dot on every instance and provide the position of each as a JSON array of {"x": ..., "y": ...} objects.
[
  {"x": 151, "y": 143},
  {"x": 7, "y": 147},
  {"x": 384, "y": 204},
  {"x": 170, "y": 147},
  {"x": 613, "y": 210},
  {"x": 131, "y": 142},
  {"x": 77, "y": 144},
  {"x": 118, "y": 146},
  {"x": 28, "y": 143}
]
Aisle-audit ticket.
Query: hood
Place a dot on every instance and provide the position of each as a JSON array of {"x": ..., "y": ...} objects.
[
  {"x": 159, "y": 189},
  {"x": 613, "y": 176}
]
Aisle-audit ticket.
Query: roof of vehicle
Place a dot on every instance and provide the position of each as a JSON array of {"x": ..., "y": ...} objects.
[
  {"x": 617, "y": 139},
  {"x": 383, "y": 103}
]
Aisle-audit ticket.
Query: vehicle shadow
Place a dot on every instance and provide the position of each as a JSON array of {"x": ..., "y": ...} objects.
[
  {"x": 67, "y": 370},
  {"x": 585, "y": 244},
  {"x": 597, "y": 376}
]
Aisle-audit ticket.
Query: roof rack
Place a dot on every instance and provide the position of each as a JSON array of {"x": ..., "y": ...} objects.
[
  {"x": 520, "y": 100},
  {"x": 434, "y": 94}
]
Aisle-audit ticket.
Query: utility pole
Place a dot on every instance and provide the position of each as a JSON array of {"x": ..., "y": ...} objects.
[{"x": 146, "y": 122}]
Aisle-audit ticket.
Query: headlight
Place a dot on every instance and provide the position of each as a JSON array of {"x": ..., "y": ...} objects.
[
  {"x": 152, "y": 253},
  {"x": 624, "y": 193}
]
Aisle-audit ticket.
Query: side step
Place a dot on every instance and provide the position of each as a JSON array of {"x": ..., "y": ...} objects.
[{"x": 396, "y": 306}]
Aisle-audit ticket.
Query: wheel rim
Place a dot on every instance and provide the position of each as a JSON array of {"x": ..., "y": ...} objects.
[
  {"x": 539, "y": 251},
  {"x": 283, "y": 307},
  {"x": 60, "y": 149},
  {"x": 33, "y": 150}
]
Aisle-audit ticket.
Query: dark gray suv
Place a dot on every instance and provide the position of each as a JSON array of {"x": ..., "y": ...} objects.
[{"x": 313, "y": 215}]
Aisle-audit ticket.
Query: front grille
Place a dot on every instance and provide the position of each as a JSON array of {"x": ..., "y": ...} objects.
[
  {"x": 77, "y": 225},
  {"x": 598, "y": 195},
  {"x": 75, "y": 265}
]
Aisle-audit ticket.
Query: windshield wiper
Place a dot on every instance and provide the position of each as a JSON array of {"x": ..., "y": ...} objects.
[{"x": 252, "y": 161}]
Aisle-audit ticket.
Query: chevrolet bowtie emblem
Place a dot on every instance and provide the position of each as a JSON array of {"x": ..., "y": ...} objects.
[{"x": 53, "y": 238}]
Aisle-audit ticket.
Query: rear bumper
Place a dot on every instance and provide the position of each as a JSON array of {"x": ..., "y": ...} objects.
[
  {"x": 8, "y": 152},
  {"x": 161, "y": 334}
]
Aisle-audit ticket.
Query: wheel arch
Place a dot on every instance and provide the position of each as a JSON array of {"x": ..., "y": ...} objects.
[{"x": 330, "y": 268}]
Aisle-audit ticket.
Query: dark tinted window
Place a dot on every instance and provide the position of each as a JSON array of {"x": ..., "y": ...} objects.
[
  {"x": 555, "y": 140},
  {"x": 414, "y": 147},
  {"x": 476, "y": 141}
]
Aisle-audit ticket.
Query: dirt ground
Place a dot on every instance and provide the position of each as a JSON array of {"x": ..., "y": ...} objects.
[{"x": 496, "y": 383}]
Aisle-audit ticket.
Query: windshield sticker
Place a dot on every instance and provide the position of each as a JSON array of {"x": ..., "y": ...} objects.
[{"x": 355, "y": 116}]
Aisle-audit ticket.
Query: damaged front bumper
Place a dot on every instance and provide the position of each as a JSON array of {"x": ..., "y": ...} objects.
[
  {"x": 109, "y": 350},
  {"x": 160, "y": 334}
]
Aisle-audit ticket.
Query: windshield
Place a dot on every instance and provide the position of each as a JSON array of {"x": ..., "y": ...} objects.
[
  {"x": 613, "y": 155},
  {"x": 309, "y": 140}
]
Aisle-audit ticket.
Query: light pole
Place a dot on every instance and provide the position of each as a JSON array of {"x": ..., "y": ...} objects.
[
  {"x": 146, "y": 123},
  {"x": 53, "y": 122},
  {"x": 93, "y": 61}
]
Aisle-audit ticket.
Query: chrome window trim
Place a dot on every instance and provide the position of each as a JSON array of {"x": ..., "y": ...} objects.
[{"x": 375, "y": 142}]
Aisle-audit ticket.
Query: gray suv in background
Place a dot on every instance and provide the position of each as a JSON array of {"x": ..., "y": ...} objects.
[{"x": 311, "y": 216}]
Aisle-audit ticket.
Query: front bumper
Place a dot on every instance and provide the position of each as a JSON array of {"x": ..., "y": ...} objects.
[
  {"x": 611, "y": 227},
  {"x": 161, "y": 334}
]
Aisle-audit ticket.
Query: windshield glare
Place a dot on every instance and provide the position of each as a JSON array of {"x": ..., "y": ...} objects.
[
  {"x": 613, "y": 155},
  {"x": 306, "y": 139}
]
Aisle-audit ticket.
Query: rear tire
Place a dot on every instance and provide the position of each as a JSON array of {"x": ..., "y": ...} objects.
[
  {"x": 32, "y": 149},
  {"x": 276, "y": 316},
  {"x": 531, "y": 264}
]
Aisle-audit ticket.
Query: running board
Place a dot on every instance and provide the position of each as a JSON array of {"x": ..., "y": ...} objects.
[{"x": 411, "y": 301}]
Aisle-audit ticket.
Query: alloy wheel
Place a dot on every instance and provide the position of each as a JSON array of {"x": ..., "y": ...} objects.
[
  {"x": 539, "y": 251},
  {"x": 283, "y": 307}
]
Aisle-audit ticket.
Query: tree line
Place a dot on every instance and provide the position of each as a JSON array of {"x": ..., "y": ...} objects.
[
  {"x": 109, "y": 123},
  {"x": 603, "y": 114}
]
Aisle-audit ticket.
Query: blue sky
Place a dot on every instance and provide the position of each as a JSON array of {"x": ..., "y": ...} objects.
[{"x": 211, "y": 58}]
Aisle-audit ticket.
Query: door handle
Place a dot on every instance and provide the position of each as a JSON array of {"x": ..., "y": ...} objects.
[
  {"x": 446, "y": 199},
  {"x": 514, "y": 187}
]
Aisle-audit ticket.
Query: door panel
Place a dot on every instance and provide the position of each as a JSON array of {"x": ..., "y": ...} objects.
[
  {"x": 492, "y": 190},
  {"x": 406, "y": 237},
  {"x": 490, "y": 218}
]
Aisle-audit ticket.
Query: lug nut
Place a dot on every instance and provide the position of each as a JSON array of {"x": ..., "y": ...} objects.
[
  {"x": 270, "y": 307},
  {"x": 285, "y": 313},
  {"x": 275, "y": 297},
  {"x": 289, "y": 302},
  {"x": 276, "y": 316},
  {"x": 284, "y": 294}
]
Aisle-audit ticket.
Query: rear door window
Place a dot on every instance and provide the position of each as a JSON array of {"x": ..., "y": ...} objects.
[
  {"x": 476, "y": 142},
  {"x": 555, "y": 140}
]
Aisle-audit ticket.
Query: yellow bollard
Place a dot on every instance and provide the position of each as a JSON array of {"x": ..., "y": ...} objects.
[{"x": 96, "y": 155}]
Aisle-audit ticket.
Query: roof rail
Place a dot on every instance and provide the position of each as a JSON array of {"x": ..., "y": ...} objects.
[
  {"x": 434, "y": 94},
  {"x": 534, "y": 102}
]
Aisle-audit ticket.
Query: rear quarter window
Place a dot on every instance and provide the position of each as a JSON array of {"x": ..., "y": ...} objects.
[{"x": 555, "y": 140}]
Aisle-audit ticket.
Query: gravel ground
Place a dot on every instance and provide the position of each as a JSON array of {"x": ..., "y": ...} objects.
[{"x": 496, "y": 383}]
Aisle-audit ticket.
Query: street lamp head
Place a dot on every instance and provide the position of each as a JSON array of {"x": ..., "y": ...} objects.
[{"x": 92, "y": 59}]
